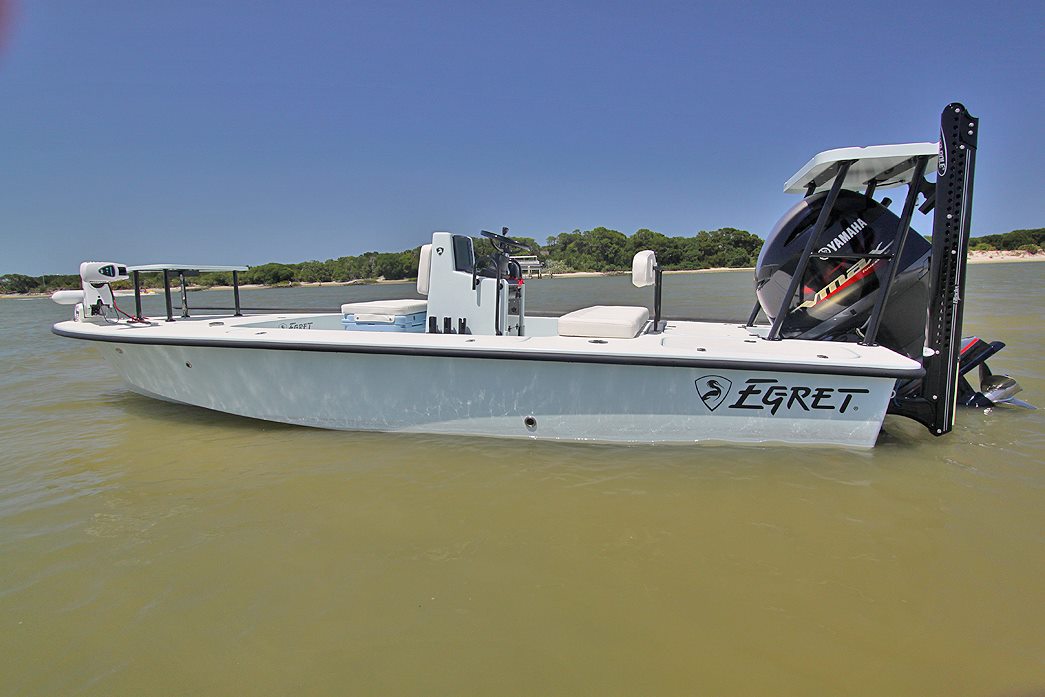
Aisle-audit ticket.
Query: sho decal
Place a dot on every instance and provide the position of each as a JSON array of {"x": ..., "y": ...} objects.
[
  {"x": 854, "y": 273},
  {"x": 769, "y": 393},
  {"x": 859, "y": 270},
  {"x": 712, "y": 390}
]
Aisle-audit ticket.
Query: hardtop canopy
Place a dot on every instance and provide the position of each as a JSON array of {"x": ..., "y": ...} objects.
[
  {"x": 203, "y": 268},
  {"x": 884, "y": 165}
]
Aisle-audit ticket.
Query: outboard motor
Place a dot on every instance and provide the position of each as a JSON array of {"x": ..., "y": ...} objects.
[
  {"x": 824, "y": 268},
  {"x": 837, "y": 294}
]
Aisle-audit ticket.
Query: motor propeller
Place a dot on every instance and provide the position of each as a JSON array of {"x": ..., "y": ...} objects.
[{"x": 1001, "y": 389}]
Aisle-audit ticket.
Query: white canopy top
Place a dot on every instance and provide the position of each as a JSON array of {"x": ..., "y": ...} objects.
[
  {"x": 185, "y": 267},
  {"x": 889, "y": 165}
]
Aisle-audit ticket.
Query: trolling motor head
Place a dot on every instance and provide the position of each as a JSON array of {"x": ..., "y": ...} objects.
[
  {"x": 102, "y": 272},
  {"x": 95, "y": 300}
]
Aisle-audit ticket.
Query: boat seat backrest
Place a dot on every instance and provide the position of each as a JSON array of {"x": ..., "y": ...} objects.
[
  {"x": 424, "y": 269},
  {"x": 644, "y": 269}
]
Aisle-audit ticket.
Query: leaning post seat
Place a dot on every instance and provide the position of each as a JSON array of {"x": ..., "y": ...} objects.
[
  {"x": 615, "y": 321},
  {"x": 604, "y": 322}
]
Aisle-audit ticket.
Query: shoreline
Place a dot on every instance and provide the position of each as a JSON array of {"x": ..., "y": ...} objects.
[
  {"x": 992, "y": 257},
  {"x": 1002, "y": 256},
  {"x": 596, "y": 274}
]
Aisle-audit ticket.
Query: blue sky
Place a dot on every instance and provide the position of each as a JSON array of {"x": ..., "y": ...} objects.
[{"x": 229, "y": 132}]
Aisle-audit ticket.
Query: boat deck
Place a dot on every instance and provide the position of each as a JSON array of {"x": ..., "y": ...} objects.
[{"x": 680, "y": 343}]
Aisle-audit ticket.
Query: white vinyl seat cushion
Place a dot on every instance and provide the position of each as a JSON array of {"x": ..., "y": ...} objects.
[
  {"x": 388, "y": 308},
  {"x": 604, "y": 322}
]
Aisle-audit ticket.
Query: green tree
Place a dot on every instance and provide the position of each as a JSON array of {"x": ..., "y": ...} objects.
[
  {"x": 1014, "y": 239},
  {"x": 19, "y": 283},
  {"x": 270, "y": 274},
  {"x": 600, "y": 249},
  {"x": 314, "y": 272},
  {"x": 725, "y": 247},
  {"x": 393, "y": 266}
]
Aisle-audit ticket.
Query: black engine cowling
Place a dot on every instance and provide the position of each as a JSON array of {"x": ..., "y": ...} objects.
[{"x": 836, "y": 296}]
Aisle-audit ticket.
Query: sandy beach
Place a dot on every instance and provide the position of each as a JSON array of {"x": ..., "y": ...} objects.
[{"x": 997, "y": 256}]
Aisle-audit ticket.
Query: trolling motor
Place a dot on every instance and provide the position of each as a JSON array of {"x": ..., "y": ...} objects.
[
  {"x": 841, "y": 266},
  {"x": 94, "y": 302}
]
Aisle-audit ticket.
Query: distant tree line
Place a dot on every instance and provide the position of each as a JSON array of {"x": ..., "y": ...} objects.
[
  {"x": 1025, "y": 240},
  {"x": 368, "y": 266},
  {"x": 600, "y": 249},
  {"x": 20, "y": 283}
]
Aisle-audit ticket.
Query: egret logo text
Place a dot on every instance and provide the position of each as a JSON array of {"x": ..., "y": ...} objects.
[{"x": 768, "y": 393}]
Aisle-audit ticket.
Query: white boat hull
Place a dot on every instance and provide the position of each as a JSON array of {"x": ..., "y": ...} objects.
[{"x": 510, "y": 398}]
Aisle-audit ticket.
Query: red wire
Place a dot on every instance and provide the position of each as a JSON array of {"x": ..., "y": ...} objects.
[{"x": 133, "y": 319}]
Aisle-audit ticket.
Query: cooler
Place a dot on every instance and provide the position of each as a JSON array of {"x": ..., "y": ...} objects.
[{"x": 385, "y": 316}]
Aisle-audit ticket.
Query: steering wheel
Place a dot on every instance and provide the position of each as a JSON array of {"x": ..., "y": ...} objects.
[{"x": 507, "y": 242}]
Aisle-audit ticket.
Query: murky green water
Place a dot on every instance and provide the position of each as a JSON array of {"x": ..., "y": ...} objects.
[{"x": 153, "y": 549}]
